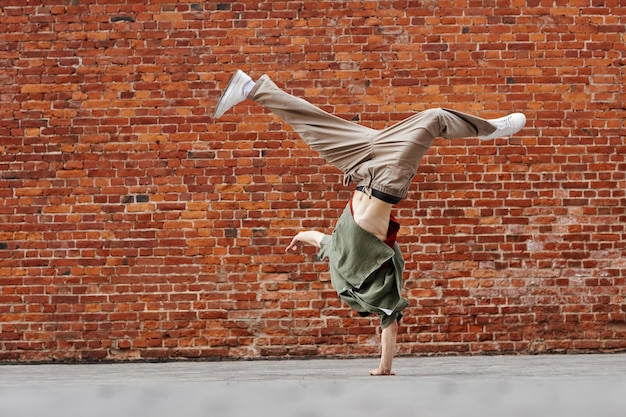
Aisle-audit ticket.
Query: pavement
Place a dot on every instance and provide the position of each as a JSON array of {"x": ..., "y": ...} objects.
[{"x": 511, "y": 386}]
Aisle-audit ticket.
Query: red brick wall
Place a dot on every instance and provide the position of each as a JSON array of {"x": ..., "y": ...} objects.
[{"x": 134, "y": 226}]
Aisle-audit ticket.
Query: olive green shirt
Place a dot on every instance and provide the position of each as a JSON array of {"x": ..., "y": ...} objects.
[{"x": 358, "y": 271}]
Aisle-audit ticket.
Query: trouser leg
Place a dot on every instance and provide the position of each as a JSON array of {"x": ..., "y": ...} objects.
[
  {"x": 383, "y": 160},
  {"x": 399, "y": 149},
  {"x": 342, "y": 143}
]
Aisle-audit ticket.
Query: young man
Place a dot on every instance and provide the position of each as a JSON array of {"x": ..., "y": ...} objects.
[{"x": 366, "y": 264}]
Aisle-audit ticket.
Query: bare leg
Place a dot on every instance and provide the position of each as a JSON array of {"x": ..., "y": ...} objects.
[{"x": 388, "y": 347}]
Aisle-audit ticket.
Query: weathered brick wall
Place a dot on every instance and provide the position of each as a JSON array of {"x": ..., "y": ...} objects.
[{"x": 134, "y": 226}]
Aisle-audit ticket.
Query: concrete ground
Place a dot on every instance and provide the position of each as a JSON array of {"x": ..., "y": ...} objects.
[{"x": 510, "y": 386}]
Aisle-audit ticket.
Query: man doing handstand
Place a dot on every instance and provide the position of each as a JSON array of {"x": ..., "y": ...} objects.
[{"x": 365, "y": 261}]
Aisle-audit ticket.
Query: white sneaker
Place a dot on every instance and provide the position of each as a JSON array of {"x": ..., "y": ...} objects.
[
  {"x": 233, "y": 94},
  {"x": 506, "y": 126}
]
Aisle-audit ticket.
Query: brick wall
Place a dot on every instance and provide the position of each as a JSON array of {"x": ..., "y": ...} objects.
[{"x": 134, "y": 226}]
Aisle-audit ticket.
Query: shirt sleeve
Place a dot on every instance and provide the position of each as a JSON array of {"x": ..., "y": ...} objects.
[{"x": 325, "y": 244}]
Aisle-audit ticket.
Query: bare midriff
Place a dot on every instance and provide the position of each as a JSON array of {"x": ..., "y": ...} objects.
[{"x": 371, "y": 214}]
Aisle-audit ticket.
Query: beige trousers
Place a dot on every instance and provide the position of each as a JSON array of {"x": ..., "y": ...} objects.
[{"x": 383, "y": 161}]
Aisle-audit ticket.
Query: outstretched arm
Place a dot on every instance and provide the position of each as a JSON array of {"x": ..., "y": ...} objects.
[{"x": 310, "y": 237}]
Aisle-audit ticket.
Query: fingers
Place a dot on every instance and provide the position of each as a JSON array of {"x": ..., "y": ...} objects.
[
  {"x": 293, "y": 245},
  {"x": 304, "y": 238}
]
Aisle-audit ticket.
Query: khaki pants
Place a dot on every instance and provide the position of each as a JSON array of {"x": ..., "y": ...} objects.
[{"x": 378, "y": 160}]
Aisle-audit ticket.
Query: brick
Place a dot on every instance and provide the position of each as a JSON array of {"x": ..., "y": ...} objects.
[{"x": 153, "y": 232}]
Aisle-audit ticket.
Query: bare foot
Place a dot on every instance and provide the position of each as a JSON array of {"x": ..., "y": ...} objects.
[{"x": 381, "y": 372}]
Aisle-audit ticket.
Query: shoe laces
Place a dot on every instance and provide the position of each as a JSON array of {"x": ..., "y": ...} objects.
[{"x": 504, "y": 123}]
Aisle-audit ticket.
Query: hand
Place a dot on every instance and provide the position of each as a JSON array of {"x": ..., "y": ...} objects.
[{"x": 310, "y": 237}]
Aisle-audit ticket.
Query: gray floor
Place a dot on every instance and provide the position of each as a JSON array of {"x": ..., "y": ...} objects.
[{"x": 568, "y": 385}]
